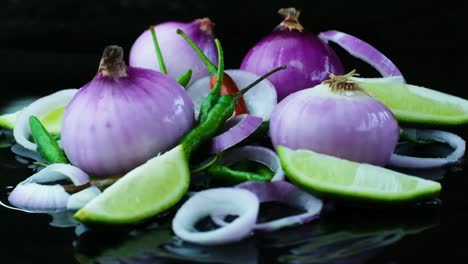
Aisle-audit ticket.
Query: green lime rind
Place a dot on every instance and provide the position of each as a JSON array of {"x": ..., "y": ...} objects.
[
  {"x": 8, "y": 120},
  {"x": 415, "y": 104},
  {"x": 52, "y": 121},
  {"x": 336, "y": 178},
  {"x": 146, "y": 191}
]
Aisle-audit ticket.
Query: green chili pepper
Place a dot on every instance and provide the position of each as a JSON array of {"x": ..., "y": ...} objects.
[
  {"x": 215, "y": 120},
  {"x": 184, "y": 79},
  {"x": 46, "y": 144},
  {"x": 215, "y": 94},
  {"x": 216, "y": 117},
  {"x": 208, "y": 164},
  {"x": 252, "y": 166},
  {"x": 208, "y": 103},
  {"x": 162, "y": 66},
  {"x": 230, "y": 176}
]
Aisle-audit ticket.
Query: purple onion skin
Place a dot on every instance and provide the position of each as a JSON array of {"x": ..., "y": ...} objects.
[
  {"x": 359, "y": 129},
  {"x": 307, "y": 57},
  {"x": 113, "y": 125},
  {"x": 178, "y": 55}
]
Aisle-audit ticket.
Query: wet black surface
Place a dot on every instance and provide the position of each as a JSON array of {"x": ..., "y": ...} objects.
[{"x": 49, "y": 46}]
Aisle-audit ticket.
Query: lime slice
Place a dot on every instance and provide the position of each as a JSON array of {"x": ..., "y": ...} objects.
[
  {"x": 415, "y": 104},
  {"x": 143, "y": 192},
  {"x": 330, "y": 176},
  {"x": 52, "y": 120}
]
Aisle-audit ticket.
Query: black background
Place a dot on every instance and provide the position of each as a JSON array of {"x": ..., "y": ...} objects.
[{"x": 51, "y": 45}]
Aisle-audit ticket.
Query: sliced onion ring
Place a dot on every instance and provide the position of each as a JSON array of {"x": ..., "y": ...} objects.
[
  {"x": 258, "y": 154},
  {"x": 24, "y": 152},
  {"x": 234, "y": 201},
  {"x": 282, "y": 192},
  {"x": 260, "y": 100},
  {"x": 456, "y": 142},
  {"x": 362, "y": 50},
  {"x": 31, "y": 195},
  {"x": 236, "y": 129},
  {"x": 39, "y": 108},
  {"x": 80, "y": 199}
]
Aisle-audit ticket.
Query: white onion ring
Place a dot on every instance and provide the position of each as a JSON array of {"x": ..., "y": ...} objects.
[
  {"x": 39, "y": 108},
  {"x": 78, "y": 200},
  {"x": 235, "y": 201},
  {"x": 258, "y": 154},
  {"x": 282, "y": 192},
  {"x": 236, "y": 129},
  {"x": 456, "y": 142},
  {"x": 362, "y": 50},
  {"x": 23, "y": 152},
  {"x": 31, "y": 195},
  {"x": 260, "y": 100}
]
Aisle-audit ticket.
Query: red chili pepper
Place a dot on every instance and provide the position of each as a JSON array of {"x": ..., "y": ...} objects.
[{"x": 229, "y": 87}]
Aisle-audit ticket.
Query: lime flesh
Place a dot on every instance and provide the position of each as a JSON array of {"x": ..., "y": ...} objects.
[
  {"x": 145, "y": 191},
  {"x": 52, "y": 121},
  {"x": 330, "y": 176},
  {"x": 415, "y": 104}
]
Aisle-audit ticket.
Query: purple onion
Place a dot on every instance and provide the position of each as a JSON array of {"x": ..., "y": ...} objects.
[
  {"x": 177, "y": 53},
  {"x": 123, "y": 117},
  {"x": 308, "y": 58},
  {"x": 336, "y": 118}
]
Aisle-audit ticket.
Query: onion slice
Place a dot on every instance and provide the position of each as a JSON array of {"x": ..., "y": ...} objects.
[
  {"x": 456, "y": 142},
  {"x": 41, "y": 107},
  {"x": 362, "y": 50},
  {"x": 285, "y": 193},
  {"x": 260, "y": 100},
  {"x": 23, "y": 152},
  {"x": 236, "y": 129},
  {"x": 258, "y": 154},
  {"x": 80, "y": 199},
  {"x": 31, "y": 195},
  {"x": 231, "y": 200}
]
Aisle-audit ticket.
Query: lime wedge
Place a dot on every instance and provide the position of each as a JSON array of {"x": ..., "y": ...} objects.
[
  {"x": 143, "y": 192},
  {"x": 52, "y": 120},
  {"x": 415, "y": 104},
  {"x": 8, "y": 120},
  {"x": 329, "y": 176}
]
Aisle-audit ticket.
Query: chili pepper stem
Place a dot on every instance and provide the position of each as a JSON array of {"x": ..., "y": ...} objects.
[
  {"x": 250, "y": 86},
  {"x": 215, "y": 93},
  {"x": 208, "y": 63},
  {"x": 184, "y": 79},
  {"x": 162, "y": 65}
]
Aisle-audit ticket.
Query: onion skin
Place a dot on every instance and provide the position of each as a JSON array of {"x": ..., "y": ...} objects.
[
  {"x": 356, "y": 128},
  {"x": 308, "y": 60},
  {"x": 177, "y": 53},
  {"x": 113, "y": 124}
]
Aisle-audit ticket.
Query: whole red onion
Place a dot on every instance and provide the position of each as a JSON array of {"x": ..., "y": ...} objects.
[
  {"x": 308, "y": 58},
  {"x": 336, "y": 118},
  {"x": 177, "y": 53},
  {"x": 123, "y": 117}
]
